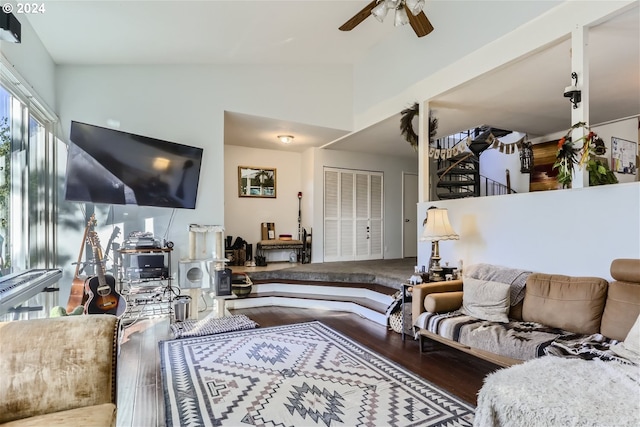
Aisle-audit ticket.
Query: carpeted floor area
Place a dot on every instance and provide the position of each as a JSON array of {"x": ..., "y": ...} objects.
[{"x": 386, "y": 272}]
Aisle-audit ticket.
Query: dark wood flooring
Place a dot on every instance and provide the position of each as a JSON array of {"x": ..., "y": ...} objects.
[{"x": 140, "y": 398}]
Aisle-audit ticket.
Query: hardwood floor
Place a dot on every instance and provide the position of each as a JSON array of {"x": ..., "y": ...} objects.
[{"x": 140, "y": 397}]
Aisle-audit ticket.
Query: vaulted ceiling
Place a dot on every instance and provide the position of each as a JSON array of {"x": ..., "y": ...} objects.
[{"x": 526, "y": 96}]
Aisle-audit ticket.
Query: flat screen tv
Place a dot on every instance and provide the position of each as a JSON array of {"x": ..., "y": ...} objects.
[{"x": 114, "y": 167}]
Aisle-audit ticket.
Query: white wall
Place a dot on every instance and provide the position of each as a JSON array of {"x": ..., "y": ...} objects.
[
  {"x": 304, "y": 172},
  {"x": 573, "y": 232},
  {"x": 624, "y": 129},
  {"x": 186, "y": 104},
  {"x": 402, "y": 59},
  {"x": 558, "y": 22},
  {"x": 33, "y": 63},
  {"x": 245, "y": 214},
  {"x": 493, "y": 163},
  {"x": 391, "y": 167},
  {"x": 308, "y": 189}
]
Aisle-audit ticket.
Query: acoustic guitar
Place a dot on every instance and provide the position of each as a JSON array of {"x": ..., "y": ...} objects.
[
  {"x": 114, "y": 235},
  {"x": 78, "y": 296},
  {"x": 103, "y": 297}
]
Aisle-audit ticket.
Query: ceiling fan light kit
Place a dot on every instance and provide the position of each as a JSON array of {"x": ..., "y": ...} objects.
[
  {"x": 391, "y": 4},
  {"x": 401, "y": 17},
  {"x": 415, "y": 6},
  {"x": 380, "y": 11},
  {"x": 406, "y": 12}
]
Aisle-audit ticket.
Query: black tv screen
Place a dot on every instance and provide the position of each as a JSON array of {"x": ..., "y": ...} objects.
[{"x": 114, "y": 167}]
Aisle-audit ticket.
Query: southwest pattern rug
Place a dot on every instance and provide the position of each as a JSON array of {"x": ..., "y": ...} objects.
[{"x": 304, "y": 374}]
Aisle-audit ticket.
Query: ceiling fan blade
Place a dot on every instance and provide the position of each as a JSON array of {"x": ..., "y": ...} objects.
[
  {"x": 420, "y": 23},
  {"x": 358, "y": 17}
]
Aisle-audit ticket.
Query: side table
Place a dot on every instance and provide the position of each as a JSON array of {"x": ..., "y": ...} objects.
[{"x": 406, "y": 288}]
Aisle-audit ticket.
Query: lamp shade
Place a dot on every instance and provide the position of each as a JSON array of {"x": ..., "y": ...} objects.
[
  {"x": 415, "y": 6},
  {"x": 438, "y": 226},
  {"x": 380, "y": 11},
  {"x": 401, "y": 17}
]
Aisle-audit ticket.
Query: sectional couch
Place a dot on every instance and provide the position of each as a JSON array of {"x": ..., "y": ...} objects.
[{"x": 528, "y": 314}]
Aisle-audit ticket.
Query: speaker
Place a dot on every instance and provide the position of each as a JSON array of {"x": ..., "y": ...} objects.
[
  {"x": 193, "y": 274},
  {"x": 221, "y": 285},
  {"x": 10, "y": 28},
  {"x": 147, "y": 261}
]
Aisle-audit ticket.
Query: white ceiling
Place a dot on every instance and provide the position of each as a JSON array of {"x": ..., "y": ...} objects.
[
  {"x": 261, "y": 132},
  {"x": 526, "y": 96},
  {"x": 204, "y": 31}
]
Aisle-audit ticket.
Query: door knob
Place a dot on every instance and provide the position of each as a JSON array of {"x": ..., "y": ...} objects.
[{"x": 407, "y": 220}]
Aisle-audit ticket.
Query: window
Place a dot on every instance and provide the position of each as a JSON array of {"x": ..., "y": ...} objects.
[{"x": 27, "y": 187}]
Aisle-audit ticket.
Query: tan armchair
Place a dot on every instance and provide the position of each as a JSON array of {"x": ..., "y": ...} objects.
[{"x": 59, "y": 371}]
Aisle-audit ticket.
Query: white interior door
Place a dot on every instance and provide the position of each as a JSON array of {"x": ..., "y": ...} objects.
[
  {"x": 409, "y": 215},
  {"x": 353, "y": 215}
]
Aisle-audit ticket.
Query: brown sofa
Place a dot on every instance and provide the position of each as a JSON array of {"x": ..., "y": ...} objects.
[
  {"x": 554, "y": 307},
  {"x": 59, "y": 371}
]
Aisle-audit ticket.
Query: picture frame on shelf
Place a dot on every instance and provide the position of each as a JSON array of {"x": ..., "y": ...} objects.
[{"x": 256, "y": 182}]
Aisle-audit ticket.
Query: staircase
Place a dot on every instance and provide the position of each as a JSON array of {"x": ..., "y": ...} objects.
[
  {"x": 459, "y": 176},
  {"x": 368, "y": 300}
]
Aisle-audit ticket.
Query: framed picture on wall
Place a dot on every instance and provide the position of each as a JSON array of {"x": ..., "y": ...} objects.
[
  {"x": 623, "y": 155},
  {"x": 256, "y": 182}
]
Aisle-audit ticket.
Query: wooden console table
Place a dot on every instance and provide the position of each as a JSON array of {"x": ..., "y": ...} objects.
[{"x": 272, "y": 245}]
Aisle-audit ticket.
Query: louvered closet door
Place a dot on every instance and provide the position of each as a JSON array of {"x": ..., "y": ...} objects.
[
  {"x": 362, "y": 216},
  {"x": 353, "y": 219},
  {"x": 347, "y": 228},
  {"x": 331, "y": 216},
  {"x": 376, "y": 243}
]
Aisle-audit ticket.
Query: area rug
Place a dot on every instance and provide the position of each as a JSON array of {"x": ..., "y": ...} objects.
[
  {"x": 304, "y": 374},
  {"x": 211, "y": 325}
]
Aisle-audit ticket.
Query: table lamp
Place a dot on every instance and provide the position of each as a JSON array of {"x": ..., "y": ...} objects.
[{"x": 436, "y": 228}]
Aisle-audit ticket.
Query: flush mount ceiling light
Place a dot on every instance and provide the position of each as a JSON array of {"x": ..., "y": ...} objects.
[
  {"x": 406, "y": 12},
  {"x": 285, "y": 139}
]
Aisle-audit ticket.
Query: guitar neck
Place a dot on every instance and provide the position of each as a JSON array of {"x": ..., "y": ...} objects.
[
  {"x": 84, "y": 241},
  {"x": 100, "y": 270}
]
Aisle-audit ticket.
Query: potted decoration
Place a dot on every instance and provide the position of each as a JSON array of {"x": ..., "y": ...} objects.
[
  {"x": 241, "y": 285},
  {"x": 567, "y": 157}
]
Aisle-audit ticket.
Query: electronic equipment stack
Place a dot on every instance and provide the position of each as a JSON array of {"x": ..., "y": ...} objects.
[{"x": 144, "y": 277}]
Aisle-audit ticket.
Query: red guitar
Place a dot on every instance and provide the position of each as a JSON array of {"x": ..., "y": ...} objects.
[{"x": 103, "y": 297}]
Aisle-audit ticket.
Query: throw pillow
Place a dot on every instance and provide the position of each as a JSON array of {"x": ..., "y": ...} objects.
[
  {"x": 630, "y": 347},
  {"x": 485, "y": 300}
]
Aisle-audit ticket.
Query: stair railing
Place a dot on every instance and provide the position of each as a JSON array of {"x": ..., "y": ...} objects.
[
  {"x": 494, "y": 188},
  {"x": 450, "y": 142}
]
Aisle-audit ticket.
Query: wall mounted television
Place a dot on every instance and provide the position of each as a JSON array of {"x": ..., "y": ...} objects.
[{"x": 114, "y": 167}]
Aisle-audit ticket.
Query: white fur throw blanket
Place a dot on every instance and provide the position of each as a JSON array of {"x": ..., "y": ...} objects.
[{"x": 553, "y": 391}]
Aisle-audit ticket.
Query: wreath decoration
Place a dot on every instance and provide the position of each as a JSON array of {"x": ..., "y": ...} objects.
[
  {"x": 406, "y": 125},
  {"x": 569, "y": 156}
]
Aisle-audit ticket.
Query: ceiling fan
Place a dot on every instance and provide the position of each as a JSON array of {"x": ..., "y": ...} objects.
[{"x": 406, "y": 12}]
